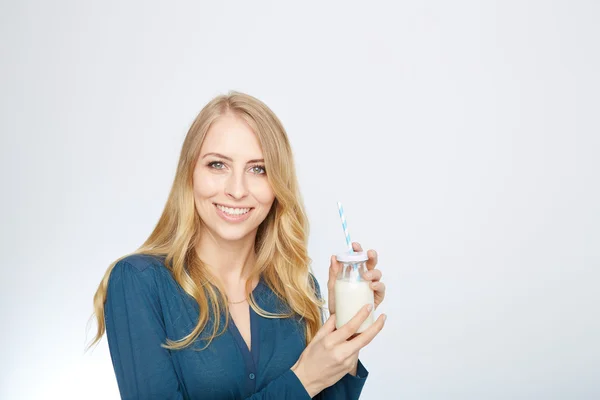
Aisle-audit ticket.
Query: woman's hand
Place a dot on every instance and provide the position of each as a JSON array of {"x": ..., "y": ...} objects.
[
  {"x": 374, "y": 275},
  {"x": 333, "y": 353}
]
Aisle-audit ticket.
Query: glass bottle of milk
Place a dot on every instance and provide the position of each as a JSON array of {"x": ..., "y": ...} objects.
[{"x": 352, "y": 291}]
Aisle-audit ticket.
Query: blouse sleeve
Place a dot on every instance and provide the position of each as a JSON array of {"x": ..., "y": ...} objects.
[
  {"x": 135, "y": 330},
  {"x": 349, "y": 387},
  {"x": 286, "y": 387}
]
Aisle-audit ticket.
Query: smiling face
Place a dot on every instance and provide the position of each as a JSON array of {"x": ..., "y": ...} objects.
[{"x": 231, "y": 191}]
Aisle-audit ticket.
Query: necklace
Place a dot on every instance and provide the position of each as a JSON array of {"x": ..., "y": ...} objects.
[{"x": 236, "y": 302}]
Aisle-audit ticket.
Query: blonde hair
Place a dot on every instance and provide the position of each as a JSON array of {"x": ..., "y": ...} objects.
[{"x": 281, "y": 240}]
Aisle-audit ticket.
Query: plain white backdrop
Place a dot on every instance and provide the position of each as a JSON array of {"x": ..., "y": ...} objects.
[{"x": 462, "y": 137}]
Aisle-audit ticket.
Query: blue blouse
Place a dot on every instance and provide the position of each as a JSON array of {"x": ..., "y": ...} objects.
[{"x": 145, "y": 305}]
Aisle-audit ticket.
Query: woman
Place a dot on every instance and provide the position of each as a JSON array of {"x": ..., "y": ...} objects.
[{"x": 219, "y": 302}]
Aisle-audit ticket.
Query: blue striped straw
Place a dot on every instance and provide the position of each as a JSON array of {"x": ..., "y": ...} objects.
[
  {"x": 346, "y": 233},
  {"x": 345, "y": 227}
]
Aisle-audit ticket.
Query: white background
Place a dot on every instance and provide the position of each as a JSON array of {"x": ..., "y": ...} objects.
[{"x": 462, "y": 138}]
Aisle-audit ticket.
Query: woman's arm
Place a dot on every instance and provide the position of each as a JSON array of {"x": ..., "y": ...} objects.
[{"x": 135, "y": 330}]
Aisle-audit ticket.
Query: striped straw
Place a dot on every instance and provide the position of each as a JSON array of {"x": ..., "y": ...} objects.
[{"x": 345, "y": 226}]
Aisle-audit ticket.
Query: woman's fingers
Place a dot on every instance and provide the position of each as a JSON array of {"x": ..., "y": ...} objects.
[
  {"x": 378, "y": 288},
  {"x": 372, "y": 261},
  {"x": 371, "y": 254},
  {"x": 373, "y": 275},
  {"x": 326, "y": 329},
  {"x": 378, "y": 292},
  {"x": 351, "y": 326},
  {"x": 364, "y": 338}
]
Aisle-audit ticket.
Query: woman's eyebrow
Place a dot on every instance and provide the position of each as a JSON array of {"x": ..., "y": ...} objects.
[
  {"x": 217, "y": 155},
  {"x": 230, "y": 159}
]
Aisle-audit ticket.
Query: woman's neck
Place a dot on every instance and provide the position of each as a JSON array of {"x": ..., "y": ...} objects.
[{"x": 230, "y": 261}]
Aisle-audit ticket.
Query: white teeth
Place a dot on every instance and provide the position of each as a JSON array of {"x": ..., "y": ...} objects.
[{"x": 233, "y": 211}]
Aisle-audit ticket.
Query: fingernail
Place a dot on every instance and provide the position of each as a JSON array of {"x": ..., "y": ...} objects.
[
  {"x": 384, "y": 317},
  {"x": 370, "y": 307},
  {"x": 368, "y": 275}
]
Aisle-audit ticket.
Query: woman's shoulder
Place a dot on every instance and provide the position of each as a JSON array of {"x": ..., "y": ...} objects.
[
  {"x": 141, "y": 262},
  {"x": 139, "y": 270}
]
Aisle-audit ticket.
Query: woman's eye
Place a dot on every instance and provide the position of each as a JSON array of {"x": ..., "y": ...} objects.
[
  {"x": 258, "y": 170},
  {"x": 216, "y": 165}
]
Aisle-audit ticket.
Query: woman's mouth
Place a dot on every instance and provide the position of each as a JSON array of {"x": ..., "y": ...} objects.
[{"x": 233, "y": 214}]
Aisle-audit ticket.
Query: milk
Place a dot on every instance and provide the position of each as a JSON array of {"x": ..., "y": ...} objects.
[{"x": 350, "y": 296}]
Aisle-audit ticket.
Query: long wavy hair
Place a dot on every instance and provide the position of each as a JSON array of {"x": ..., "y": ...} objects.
[{"x": 281, "y": 239}]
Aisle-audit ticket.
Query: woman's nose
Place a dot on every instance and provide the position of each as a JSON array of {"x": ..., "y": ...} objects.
[{"x": 236, "y": 187}]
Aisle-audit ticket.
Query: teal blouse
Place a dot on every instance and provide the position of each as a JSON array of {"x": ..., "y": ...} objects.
[{"x": 145, "y": 305}]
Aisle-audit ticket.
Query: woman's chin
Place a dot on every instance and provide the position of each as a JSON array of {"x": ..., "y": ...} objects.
[{"x": 235, "y": 235}]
